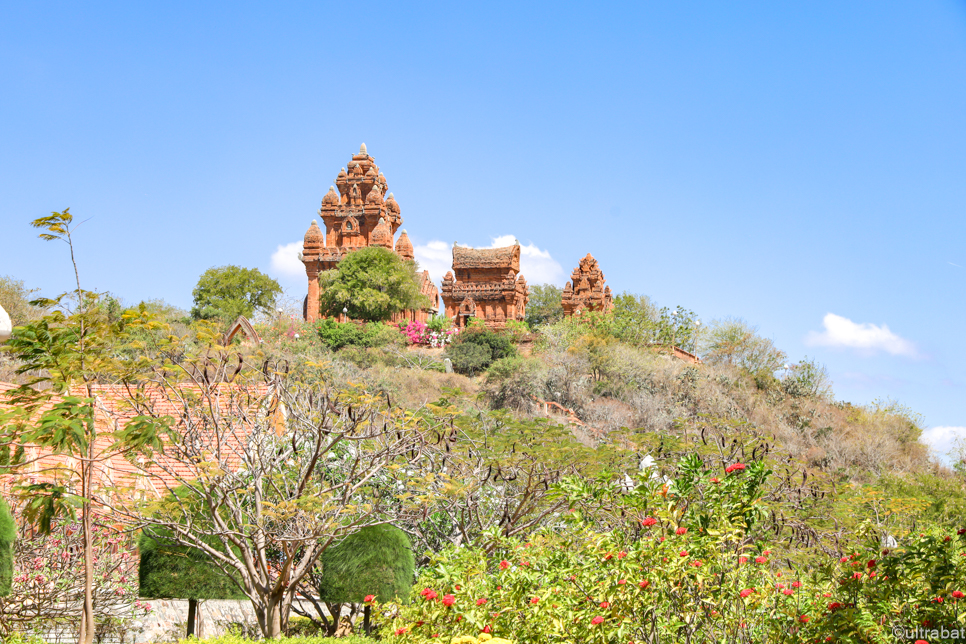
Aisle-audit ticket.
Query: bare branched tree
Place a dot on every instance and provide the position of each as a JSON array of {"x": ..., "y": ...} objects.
[{"x": 264, "y": 476}]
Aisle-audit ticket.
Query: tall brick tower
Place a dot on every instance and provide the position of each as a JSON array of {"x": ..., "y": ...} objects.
[{"x": 360, "y": 214}]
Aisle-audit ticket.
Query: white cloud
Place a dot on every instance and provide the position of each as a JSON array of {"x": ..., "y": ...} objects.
[
  {"x": 869, "y": 338},
  {"x": 286, "y": 262},
  {"x": 536, "y": 265},
  {"x": 943, "y": 440},
  {"x": 435, "y": 257}
]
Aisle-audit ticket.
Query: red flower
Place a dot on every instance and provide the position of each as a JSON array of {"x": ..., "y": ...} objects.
[
  {"x": 958, "y": 594},
  {"x": 481, "y": 601},
  {"x": 715, "y": 479},
  {"x": 621, "y": 582},
  {"x": 486, "y": 629},
  {"x": 681, "y": 531},
  {"x": 796, "y": 584},
  {"x": 871, "y": 563},
  {"x": 429, "y": 594},
  {"x": 605, "y": 604},
  {"x": 788, "y": 591},
  {"x": 368, "y": 598},
  {"x": 961, "y": 531},
  {"x": 742, "y": 560},
  {"x": 644, "y": 584},
  {"x": 401, "y": 631},
  {"x": 937, "y": 600},
  {"x": 921, "y": 642},
  {"x": 534, "y": 600},
  {"x": 696, "y": 563},
  {"x": 448, "y": 600},
  {"x": 621, "y": 554},
  {"x": 648, "y": 522},
  {"x": 856, "y": 575},
  {"x": 803, "y": 619},
  {"x": 734, "y": 467},
  {"x": 597, "y": 620},
  {"x": 834, "y": 606},
  {"x": 504, "y": 564},
  {"x": 608, "y": 557},
  {"x": 948, "y": 538},
  {"x": 844, "y": 559},
  {"x": 683, "y": 553},
  {"x": 458, "y": 587},
  {"x": 746, "y": 592},
  {"x": 760, "y": 560}
]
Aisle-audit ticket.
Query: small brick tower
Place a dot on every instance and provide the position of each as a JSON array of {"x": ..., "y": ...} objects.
[
  {"x": 586, "y": 291},
  {"x": 487, "y": 285}
]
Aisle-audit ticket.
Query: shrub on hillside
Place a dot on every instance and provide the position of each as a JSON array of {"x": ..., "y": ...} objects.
[
  {"x": 492, "y": 346},
  {"x": 498, "y": 344},
  {"x": 468, "y": 358},
  {"x": 512, "y": 383},
  {"x": 337, "y": 335}
]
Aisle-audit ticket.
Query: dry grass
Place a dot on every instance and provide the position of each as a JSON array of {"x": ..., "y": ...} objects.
[{"x": 613, "y": 386}]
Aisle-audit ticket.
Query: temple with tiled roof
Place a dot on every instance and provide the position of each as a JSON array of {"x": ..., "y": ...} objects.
[
  {"x": 361, "y": 213},
  {"x": 487, "y": 284},
  {"x": 586, "y": 291}
]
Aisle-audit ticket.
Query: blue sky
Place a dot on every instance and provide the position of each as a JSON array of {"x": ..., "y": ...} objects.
[{"x": 798, "y": 165}]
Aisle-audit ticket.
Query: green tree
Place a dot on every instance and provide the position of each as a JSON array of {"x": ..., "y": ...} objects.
[
  {"x": 735, "y": 342},
  {"x": 69, "y": 349},
  {"x": 544, "y": 305},
  {"x": 226, "y": 292},
  {"x": 377, "y": 560},
  {"x": 634, "y": 319},
  {"x": 178, "y": 572},
  {"x": 372, "y": 283}
]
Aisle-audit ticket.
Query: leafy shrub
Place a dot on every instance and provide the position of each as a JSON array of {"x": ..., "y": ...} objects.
[
  {"x": 468, "y": 358},
  {"x": 497, "y": 345},
  {"x": 337, "y": 335},
  {"x": 807, "y": 379},
  {"x": 735, "y": 342},
  {"x": 696, "y": 573}
]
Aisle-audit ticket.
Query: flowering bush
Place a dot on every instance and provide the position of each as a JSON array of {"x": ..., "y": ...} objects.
[
  {"x": 426, "y": 334},
  {"x": 687, "y": 572},
  {"x": 48, "y": 582}
]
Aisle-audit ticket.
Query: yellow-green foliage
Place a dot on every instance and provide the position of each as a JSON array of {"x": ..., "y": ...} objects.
[
  {"x": 377, "y": 560},
  {"x": 8, "y": 532}
]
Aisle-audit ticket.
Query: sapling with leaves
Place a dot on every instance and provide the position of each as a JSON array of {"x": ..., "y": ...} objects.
[{"x": 64, "y": 354}]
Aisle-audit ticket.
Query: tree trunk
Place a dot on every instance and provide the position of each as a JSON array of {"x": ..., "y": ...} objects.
[
  {"x": 87, "y": 625},
  {"x": 269, "y": 615},
  {"x": 192, "y": 616}
]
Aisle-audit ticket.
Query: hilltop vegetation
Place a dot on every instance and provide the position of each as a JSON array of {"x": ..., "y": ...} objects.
[{"x": 551, "y": 451}]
